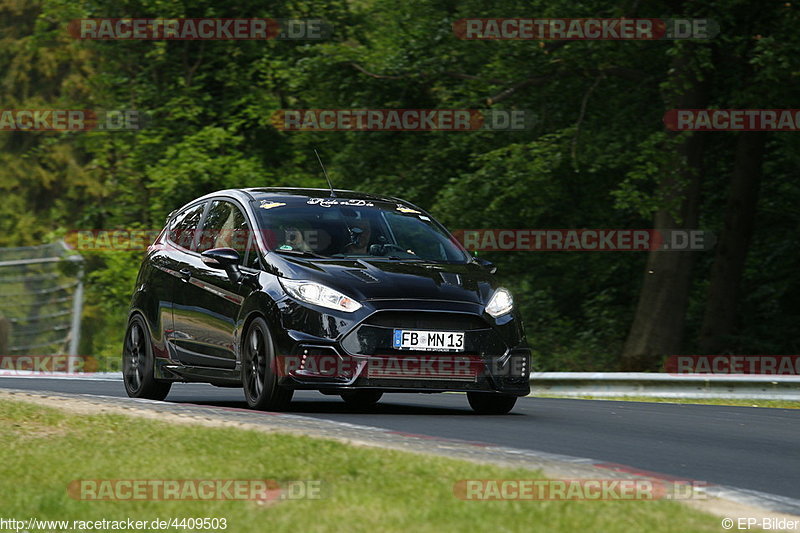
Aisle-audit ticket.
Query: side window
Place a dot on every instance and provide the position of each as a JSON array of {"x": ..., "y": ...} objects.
[
  {"x": 225, "y": 227},
  {"x": 183, "y": 227}
]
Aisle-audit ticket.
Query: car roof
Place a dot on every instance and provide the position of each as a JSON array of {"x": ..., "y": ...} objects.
[{"x": 269, "y": 193}]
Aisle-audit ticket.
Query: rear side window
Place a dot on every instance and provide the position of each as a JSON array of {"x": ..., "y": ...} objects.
[
  {"x": 183, "y": 227},
  {"x": 225, "y": 226}
]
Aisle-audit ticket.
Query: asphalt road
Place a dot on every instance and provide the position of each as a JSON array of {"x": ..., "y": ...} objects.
[{"x": 749, "y": 448}]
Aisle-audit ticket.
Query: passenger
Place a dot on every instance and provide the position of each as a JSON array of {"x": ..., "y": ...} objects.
[{"x": 295, "y": 239}]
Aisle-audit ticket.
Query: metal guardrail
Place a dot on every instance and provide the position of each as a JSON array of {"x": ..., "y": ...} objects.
[{"x": 700, "y": 386}]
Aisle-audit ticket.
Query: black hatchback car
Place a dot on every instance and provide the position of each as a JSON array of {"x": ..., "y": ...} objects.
[{"x": 352, "y": 294}]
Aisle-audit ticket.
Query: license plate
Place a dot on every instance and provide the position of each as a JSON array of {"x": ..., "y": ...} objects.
[{"x": 439, "y": 341}]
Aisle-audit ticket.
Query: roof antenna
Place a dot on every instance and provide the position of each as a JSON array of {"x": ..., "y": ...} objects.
[{"x": 333, "y": 194}]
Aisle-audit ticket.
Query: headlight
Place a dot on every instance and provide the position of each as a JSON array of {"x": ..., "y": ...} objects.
[
  {"x": 500, "y": 303},
  {"x": 318, "y": 294}
]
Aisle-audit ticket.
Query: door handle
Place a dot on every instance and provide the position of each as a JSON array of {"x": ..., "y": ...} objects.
[{"x": 185, "y": 274}]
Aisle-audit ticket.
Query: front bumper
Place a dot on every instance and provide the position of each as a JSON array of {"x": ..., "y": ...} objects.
[{"x": 357, "y": 352}]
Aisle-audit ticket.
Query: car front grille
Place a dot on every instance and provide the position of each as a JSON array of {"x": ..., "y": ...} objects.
[{"x": 374, "y": 336}]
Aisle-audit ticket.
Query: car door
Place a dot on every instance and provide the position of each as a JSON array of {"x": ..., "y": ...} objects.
[
  {"x": 168, "y": 260},
  {"x": 209, "y": 300}
]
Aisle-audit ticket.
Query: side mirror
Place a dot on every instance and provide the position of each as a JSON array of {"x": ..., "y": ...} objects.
[
  {"x": 226, "y": 259},
  {"x": 488, "y": 265}
]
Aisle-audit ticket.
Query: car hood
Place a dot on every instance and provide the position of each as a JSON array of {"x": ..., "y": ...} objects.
[{"x": 385, "y": 279}]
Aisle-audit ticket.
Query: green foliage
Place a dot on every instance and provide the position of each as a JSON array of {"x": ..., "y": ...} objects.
[
  {"x": 656, "y": 159},
  {"x": 594, "y": 158}
]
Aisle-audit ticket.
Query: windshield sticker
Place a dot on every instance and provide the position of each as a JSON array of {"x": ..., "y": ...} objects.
[
  {"x": 265, "y": 204},
  {"x": 284, "y": 247},
  {"x": 423, "y": 217},
  {"x": 328, "y": 202},
  {"x": 404, "y": 209}
]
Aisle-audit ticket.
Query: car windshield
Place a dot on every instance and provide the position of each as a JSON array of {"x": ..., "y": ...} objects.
[{"x": 344, "y": 228}]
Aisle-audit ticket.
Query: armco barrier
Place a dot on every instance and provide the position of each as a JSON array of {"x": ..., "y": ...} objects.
[{"x": 709, "y": 386}]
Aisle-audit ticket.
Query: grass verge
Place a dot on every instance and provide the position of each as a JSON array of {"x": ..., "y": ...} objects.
[{"x": 364, "y": 489}]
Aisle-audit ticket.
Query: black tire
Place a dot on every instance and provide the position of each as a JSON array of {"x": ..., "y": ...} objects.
[
  {"x": 361, "y": 399},
  {"x": 486, "y": 403},
  {"x": 138, "y": 363},
  {"x": 259, "y": 379}
]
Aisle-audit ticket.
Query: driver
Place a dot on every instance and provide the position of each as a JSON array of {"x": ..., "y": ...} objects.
[{"x": 362, "y": 243}]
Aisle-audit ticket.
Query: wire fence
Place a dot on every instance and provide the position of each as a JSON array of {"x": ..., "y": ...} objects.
[{"x": 41, "y": 298}]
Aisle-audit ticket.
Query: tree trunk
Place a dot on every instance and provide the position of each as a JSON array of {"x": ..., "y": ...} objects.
[
  {"x": 719, "y": 321},
  {"x": 658, "y": 324}
]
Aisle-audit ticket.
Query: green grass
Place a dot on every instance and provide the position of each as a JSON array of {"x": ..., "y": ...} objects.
[
  {"x": 364, "y": 489},
  {"x": 779, "y": 404}
]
